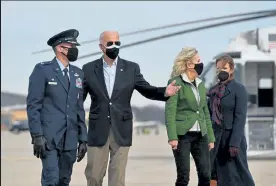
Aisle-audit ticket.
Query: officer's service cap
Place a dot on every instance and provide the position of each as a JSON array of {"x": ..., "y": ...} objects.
[{"x": 67, "y": 36}]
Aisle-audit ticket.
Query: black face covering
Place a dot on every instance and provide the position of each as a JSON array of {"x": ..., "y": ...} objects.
[
  {"x": 223, "y": 76},
  {"x": 72, "y": 54},
  {"x": 198, "y": 68},
  {"x": 112, "y": 53}
]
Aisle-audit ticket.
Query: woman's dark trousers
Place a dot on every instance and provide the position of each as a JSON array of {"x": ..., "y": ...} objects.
[{"x": 197, "y": 145}]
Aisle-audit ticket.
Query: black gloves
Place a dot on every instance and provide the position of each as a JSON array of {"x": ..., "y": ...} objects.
[
  {"x": 39, "y": 146},
  {"x": 233, "y": 151},
  {"x": 82, "y": 149}
]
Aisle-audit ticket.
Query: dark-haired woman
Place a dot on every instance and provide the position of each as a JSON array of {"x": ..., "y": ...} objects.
[{"x": 228, "y": 108}]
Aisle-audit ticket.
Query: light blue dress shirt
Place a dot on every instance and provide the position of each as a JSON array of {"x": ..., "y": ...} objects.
[
  {"x": 62, "y": 67},
  {"x": 109, "y": 75}
]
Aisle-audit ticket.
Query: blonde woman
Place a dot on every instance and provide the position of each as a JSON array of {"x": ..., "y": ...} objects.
[{"x": 188, "y": 122}]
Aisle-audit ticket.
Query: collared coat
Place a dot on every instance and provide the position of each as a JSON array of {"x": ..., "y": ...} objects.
[
  {"x": 52, "y": 109},
  {"x": 231, "y": 171}
]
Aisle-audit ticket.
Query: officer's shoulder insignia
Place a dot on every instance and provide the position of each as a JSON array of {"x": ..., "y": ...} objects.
[
  {"x": 46, "y": 63},
  {"x": 76, "y": 68}
]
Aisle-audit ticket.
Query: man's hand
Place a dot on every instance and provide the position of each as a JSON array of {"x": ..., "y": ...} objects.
[
  {"x": 234, "y": 151},
  {"x": 172, "y": 89},
  {"x": 211, "y": 146},
  {"x": 82, "y": 149},
  {"x": 173, "y": 144},
  {"x": 39, "y": 147}
]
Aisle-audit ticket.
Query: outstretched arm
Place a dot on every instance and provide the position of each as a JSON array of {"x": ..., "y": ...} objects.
[{"x": 147, "y": 90}]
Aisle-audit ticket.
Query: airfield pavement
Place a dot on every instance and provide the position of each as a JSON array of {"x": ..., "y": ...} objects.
[{"x": 150, "y": 164}]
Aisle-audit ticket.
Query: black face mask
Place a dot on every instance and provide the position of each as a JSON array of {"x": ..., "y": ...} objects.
[
  {"x": 223, "y": 76},
  {"x": 112, "y": 53},
  {"x": 198, "y": 68},
  {"x": 72, "y": 54}
]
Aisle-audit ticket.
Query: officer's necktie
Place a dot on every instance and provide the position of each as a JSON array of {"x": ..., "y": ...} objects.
[{"x": 66, "y": 77}]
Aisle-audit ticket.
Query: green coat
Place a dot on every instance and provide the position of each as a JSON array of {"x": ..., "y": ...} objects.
[{"x": 182, "y": 110}]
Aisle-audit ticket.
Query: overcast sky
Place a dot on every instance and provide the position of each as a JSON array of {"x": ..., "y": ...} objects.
[{"x": 26, "y": 27}]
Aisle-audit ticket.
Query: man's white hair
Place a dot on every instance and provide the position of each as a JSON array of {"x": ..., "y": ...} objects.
[{"x": 101, "y": 38}]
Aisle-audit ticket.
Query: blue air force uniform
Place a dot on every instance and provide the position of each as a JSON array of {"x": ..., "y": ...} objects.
[{"x": 55, "y": 111}]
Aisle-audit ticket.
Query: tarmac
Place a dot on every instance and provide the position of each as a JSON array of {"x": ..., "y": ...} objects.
[{"x": 150, "y": 163}]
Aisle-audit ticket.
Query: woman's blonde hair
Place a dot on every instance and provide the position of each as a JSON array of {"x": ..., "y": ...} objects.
[{"x": 181, "y": 59}]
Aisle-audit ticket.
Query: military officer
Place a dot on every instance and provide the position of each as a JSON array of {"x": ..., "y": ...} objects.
[{"x": 55, "y": 111}]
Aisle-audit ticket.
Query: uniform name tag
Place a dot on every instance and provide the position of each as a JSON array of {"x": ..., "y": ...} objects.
[{"x": 52, "y": 83}]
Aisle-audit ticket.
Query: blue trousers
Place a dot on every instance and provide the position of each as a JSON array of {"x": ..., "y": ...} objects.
[{"x": 57, "y": 166}]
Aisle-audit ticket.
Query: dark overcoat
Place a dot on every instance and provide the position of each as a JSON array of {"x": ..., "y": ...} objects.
[{"x": 231, "y": 171}]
